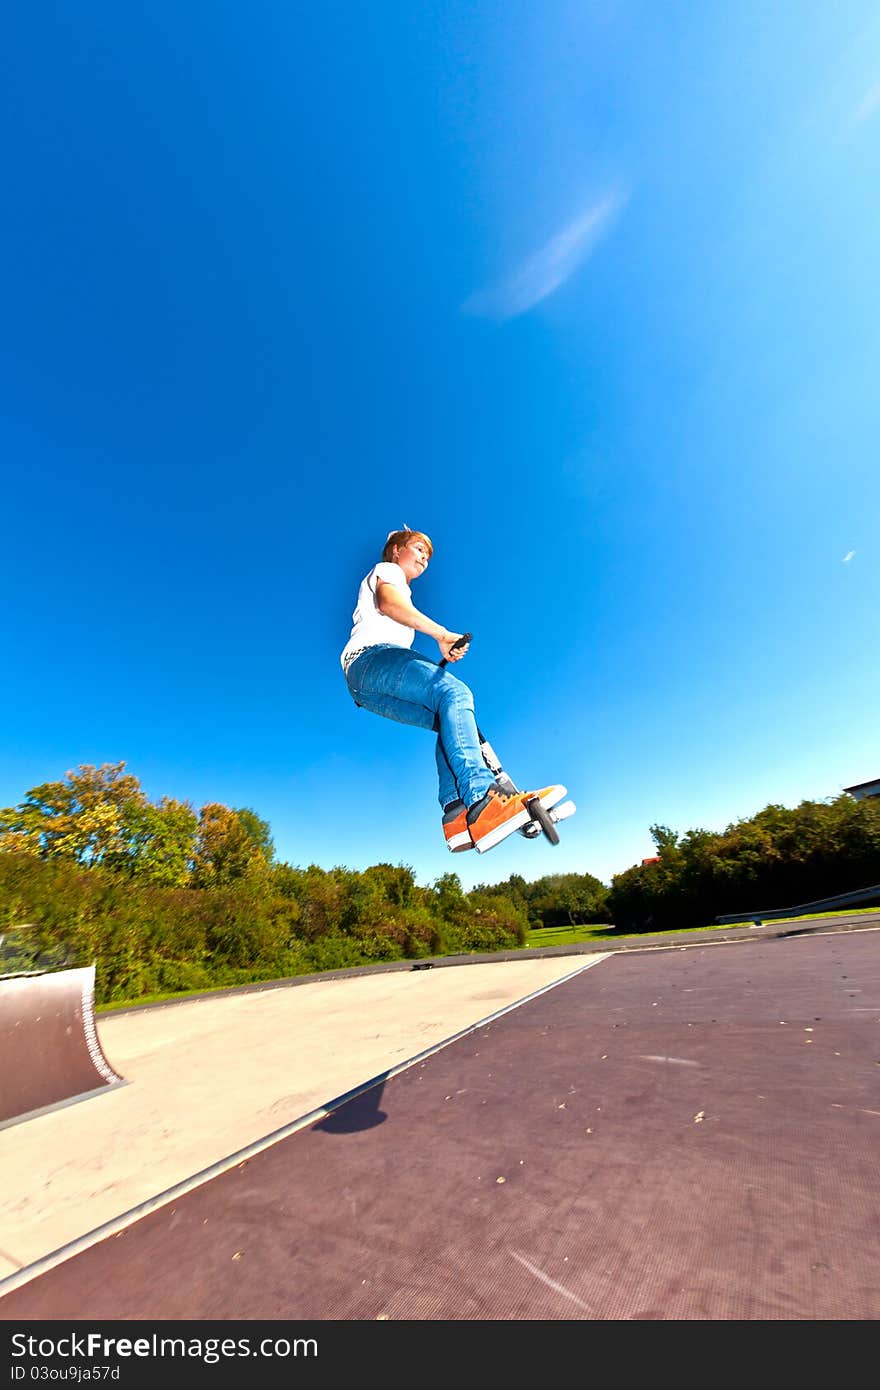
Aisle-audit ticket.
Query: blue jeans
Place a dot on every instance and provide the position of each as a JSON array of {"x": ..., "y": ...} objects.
[{"x": 398, "y": 683}]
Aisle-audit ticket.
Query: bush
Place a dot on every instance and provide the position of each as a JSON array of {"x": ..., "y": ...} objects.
[{"x": 486, "y": 922}]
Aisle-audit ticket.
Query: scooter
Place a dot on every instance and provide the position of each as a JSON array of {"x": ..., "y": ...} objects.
[{"x": 543, "y": 819}]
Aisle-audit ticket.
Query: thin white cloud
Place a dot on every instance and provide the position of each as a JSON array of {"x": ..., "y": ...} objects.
[
  {"x": 869, "y": 104},
  {"x": 847, "y": 557},
  {"x": 549, "y": 267}
]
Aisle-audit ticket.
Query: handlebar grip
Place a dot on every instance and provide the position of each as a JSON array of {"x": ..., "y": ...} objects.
[{"x": 462, "y": 642}]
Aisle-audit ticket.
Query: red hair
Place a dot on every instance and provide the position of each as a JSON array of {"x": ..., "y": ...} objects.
[{"x": 402, "y": 538}]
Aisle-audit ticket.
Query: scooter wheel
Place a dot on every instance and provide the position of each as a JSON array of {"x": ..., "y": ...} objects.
[{"x": 540, "y": 815}]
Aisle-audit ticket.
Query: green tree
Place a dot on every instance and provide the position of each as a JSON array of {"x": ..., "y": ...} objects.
[
  {"x": 774, "y": 859},
  {"x": 100, "y": 816},
  {"x": 571, "y": 900},
  {"x": 87, "y": 817},
  {"x": 665, "y": 840},
  {"x": 163, "y": 839},
  {"x": 226, "y": 848},
  {"x": 259, "y": 831},
  {"x": 449, "y": 896},
  {"x": 395, "y": 882}
]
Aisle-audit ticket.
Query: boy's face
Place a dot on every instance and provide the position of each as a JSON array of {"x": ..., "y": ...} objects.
[{"x": 413, "y": 558}]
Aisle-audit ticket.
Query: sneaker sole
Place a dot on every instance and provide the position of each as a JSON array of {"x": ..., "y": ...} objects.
[
  {"x": 456, "y": 843},
  {"x": 501, "y": 832}
]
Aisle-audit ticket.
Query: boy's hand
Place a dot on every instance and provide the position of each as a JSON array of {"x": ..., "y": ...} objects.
[{"x": 446, "y": 643}]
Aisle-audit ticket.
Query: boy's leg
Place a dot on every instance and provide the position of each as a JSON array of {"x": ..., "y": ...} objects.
[
  {"x": 455, "y": 826},
  {"x": 397, "y": 683},
  {"x": 447, "y": 786},
  {"x": 459, "y": 739}
]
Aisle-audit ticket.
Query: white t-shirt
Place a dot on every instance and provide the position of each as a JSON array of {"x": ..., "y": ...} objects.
[{"x": 371, "y": 626}]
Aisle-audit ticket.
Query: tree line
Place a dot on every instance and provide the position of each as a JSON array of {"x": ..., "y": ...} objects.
[
  {"x": 101, "y": 817},
  {"x": 777, "y": 858},
  {"x": 166, "y": 899}
]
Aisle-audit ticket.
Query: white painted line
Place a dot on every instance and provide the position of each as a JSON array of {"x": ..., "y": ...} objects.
[
  {"x": 551, "y": 1283},
  {"x": 674, "y": 1061}
]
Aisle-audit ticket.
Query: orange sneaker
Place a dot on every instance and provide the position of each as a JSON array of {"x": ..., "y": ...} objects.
[
  {"x": 500, "y": 813},
  {"x": 495, "y": 816},
  {"x": 455, "y": 828}
]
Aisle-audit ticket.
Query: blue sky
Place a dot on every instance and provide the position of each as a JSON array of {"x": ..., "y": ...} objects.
[{"x": 588, "y": 292}]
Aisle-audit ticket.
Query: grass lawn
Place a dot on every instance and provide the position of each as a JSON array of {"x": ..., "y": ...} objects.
[{"x": 570, "y": 936}]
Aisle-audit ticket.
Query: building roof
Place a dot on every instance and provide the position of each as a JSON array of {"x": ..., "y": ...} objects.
[{"x": 863, "y": 786}]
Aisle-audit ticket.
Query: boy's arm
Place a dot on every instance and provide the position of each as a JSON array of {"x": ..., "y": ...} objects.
[{"x": 396, "y": 605}]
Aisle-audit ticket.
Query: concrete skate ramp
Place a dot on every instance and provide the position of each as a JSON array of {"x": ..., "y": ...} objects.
[{"x": 49, "y": 1049}]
